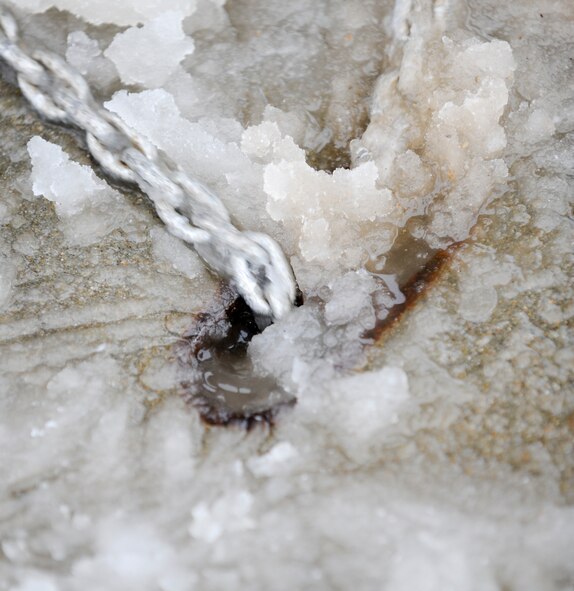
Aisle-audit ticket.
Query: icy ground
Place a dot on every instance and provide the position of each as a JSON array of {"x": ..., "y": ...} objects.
[{"x": 441, "y": 458}]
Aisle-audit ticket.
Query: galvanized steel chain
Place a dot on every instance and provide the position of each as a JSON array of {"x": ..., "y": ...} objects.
[{"x": 253, "y": 262}]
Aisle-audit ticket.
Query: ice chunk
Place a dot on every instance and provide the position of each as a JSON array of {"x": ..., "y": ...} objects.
[
  {"x": 126, "y": 12},
  {"x": 484, "y": 60},
  {"x": 473, "y": 125},
  {"x": 86, "y": 205},
  {"x": 276, "y": 460},
  {"x": 82, "y": 50},
  {"x": 149, "y": 55},
  {"x": 230, "y": 513},
  {"x": 70, "y": 186},
  {"x": 335, "y": 209},
  {"x": 198, "y": 147},
  {"x": 132, "y": 555},
  {"x": 427, "y": 127},
  {"x": 351, "y": 300},
  {"x": 364, "y": 405}
]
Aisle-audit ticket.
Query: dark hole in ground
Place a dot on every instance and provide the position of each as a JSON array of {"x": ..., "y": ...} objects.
[{"x": 222, "y": 384}]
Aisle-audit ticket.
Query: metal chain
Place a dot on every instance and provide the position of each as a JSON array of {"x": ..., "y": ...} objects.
[{"x": 253, "y": 262}]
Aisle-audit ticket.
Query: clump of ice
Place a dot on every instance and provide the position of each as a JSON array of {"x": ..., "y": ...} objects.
[
  {"x": 350, "y": 300},
  {"x": 281, "y": 458},
  {"x": 448, "y": 127},
  {"x": 127, "y": 12},
  {"x": 82, "y": 50},
  {"x": 317, "y": 341},
  {"x": 149, "y": 55},
  {"x": 337, "y": 210},
  {"x": 132, "y": 555},
  {"x": 85, "y": 54},
  {"x": 70, "y": 186},
  {"x": 228, "y": 514},
  {"x": 88, "y": 208},
  {"x": 362, "y": 409}
]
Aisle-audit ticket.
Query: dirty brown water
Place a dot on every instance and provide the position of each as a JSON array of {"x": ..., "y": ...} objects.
[{"x": 221, "y": 384}]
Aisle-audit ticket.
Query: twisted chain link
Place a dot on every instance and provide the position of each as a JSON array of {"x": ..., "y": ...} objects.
[{"x": 253, "y": 262}]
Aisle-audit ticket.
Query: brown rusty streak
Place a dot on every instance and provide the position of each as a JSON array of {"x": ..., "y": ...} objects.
[{"x": 413, "y": 290}]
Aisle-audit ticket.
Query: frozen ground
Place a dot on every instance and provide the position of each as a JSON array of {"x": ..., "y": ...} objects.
[{"x": 442, "y": 457}]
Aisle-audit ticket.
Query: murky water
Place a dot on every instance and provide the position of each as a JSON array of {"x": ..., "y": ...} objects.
[{"x": 221, "y": 383}]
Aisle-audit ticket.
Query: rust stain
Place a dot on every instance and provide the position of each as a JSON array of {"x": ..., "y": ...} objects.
[{"x": 414, "y": 289}]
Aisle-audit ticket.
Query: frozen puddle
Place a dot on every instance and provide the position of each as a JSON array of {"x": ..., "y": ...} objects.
[{"x": 411, "y": 424}]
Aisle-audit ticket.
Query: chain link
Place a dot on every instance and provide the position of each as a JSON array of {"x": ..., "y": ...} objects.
[{"x": 253, "y": 262}]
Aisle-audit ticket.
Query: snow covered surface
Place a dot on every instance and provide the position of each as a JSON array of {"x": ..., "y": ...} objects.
[{"x": 443, "y": 458}]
